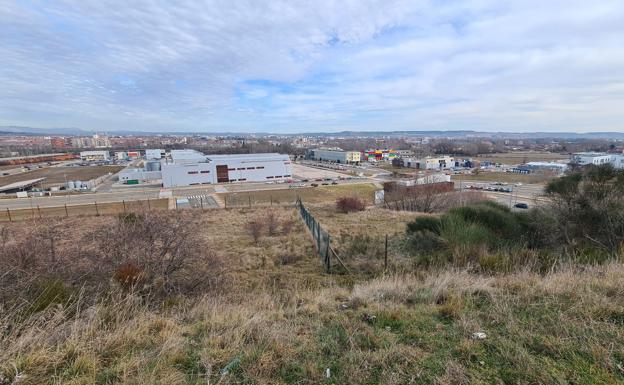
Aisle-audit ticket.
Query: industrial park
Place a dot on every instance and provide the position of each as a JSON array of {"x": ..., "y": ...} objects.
[{"x": 379, "y": 192}]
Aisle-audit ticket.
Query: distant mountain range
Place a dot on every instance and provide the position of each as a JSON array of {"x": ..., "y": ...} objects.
[{"x": 20, "y": 130}]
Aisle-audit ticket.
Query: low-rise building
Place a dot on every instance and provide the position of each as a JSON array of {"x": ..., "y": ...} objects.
[
  {"x": 430, "y": 162},
  {"x": 188, "y": 167},
  {"x": 154, "y": 153},
  {"x": 587, "y": 158},
  {"x": 98, "y": 155},
  {"x": 541, "y": 167},
  {"x": 334, "y": 155}
]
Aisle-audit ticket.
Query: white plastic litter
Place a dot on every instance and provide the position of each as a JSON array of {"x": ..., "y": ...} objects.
[{"x": 478, "y": 336}]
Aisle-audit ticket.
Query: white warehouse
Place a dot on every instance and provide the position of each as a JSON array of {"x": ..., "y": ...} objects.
[{"x": 188, "y": 167}]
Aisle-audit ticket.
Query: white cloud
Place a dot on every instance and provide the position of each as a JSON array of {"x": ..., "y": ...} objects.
[{"x": 249, "y": 65}]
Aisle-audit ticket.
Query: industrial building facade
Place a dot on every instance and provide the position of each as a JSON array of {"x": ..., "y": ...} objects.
[
  {"x": 95, "y": 155},
  {"x": 334, "y": 155},
  {"x": 188, "y": 167}
]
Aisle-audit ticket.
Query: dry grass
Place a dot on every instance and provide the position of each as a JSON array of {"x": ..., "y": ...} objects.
[
  {"x": 518, "y": 157},
  {"x": 82, "y": 210},
  {"x": 58, "y": 175},
  {"x": 275, "y": 318},
  {"x": 562, "y": 328},
  {"x": 319, "y": 194}
]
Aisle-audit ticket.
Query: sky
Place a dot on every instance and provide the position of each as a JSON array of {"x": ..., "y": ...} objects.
[{"x": 307, "y": 66}]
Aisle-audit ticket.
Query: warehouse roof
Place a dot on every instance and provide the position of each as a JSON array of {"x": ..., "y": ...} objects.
[
  {"x": 264, "y": 156},
  {"x": 21, "y": 185}
]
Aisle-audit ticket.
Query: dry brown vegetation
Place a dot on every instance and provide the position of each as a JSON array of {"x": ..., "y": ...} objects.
[
  {"x": 73, "y": 210},
  {"x": 239, "y": 311},
  {"x": 59, "y": 175}
]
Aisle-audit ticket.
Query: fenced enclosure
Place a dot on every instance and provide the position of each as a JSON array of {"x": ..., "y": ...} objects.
[{"x": 72, "y": 210}]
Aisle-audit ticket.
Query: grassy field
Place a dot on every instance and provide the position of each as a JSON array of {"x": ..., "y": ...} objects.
[
  {"x": 308, "y": 195},
  {"x": 58, "y": 175},
  {"x": 82, "y": 210},
  {"x": 519, "y": 157},
  {"x": 505, "y": 177},
  {"x": 269, "y": 315}
]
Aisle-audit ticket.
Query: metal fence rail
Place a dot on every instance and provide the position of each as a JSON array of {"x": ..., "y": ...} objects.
[{"x": 322, "y": 239}]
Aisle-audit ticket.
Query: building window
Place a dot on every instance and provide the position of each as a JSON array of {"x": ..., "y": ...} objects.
[
  {"x": 259, "y": 167},
  {"x": 269, "y": 177},
  {"x": 286, "y": 176},
  {"x": 241, "y": 168},
  {"x": 242, "y": 179},
  {"x": 251, "y": 168},
  {"x": 231, "y": 169},
  {"x": 205, "y": 172},
  {"x": 278, "y": 176},
  {"x": 192, "y": 172}
]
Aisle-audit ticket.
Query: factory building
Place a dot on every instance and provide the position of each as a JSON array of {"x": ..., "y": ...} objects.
[
  {"x": 334, "y": 155},
  {"x": 587, "y": 158},
  {"x": 189, "y": 167},
  {"x": 90, "y": 156},
  {"x": 154, "y": 153},
  {"x": 378, "y": 155},
  {"x": 430, "y": 163},
  {"x": 541, "y": 167}
]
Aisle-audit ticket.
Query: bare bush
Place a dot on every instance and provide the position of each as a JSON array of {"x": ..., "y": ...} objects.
[
  {"x": 159, "y": 247},
  {"x": 255, "y": 228},
  {"x": 272, "y": 222},
  {"x": 350, "y": 204}
]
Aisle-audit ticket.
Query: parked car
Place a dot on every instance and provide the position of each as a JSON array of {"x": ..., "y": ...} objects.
[
  {"x": 334, "y": 182},
  {"x": 314, "y": 185},
  {"x": 521, "y": 206},
  {"x": 325, "y": 184}
]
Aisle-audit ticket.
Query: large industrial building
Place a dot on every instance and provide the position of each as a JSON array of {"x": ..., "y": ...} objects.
[
  {"x": 597, "y": 158},
  {"x": 430, "y": 163},
  {"x": 189, "y": 167},
  {"x": 334, "y": 155},
  {"x": 94, "y": 155}
]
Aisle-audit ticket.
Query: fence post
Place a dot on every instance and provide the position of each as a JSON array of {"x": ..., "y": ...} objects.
[
  {"x": 386, "y": 254},
  {"x": 124, "y": 205},
  {"x": 39, "y": 211},
  {"x": 9, "y": 213},
  {"x": 201, "y": 202},
  {"x": 66, "y": 213},
  {"x": 327, "y": 257},
  {"x": 271, "y": 197},
  {"x": 97, "y": 212},
  {"x": 225, "y": 200},
  {"x": 318, "y": 236},
  {"x": 149, "y": 207},
  {"x": 249, "y": 197}
]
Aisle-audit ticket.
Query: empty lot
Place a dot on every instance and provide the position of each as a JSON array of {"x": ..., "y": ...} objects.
[
  {"x": 305, "y": 172},
  {"x": 58, "y": 175}
]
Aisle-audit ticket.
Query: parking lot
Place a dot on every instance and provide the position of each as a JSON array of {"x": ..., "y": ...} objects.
[{"x": 313, "y": 173}]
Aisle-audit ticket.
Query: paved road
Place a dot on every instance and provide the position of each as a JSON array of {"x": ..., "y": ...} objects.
[{"x": 77, "y": 199}]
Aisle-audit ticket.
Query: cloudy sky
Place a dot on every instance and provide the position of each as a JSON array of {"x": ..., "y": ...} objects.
[{"x": 319, "y": 65}]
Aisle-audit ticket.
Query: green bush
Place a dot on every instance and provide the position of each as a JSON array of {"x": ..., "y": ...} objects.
[{"x": 47, "y": 293}]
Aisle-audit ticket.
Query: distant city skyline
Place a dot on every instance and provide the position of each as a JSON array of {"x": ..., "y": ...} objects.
[{"x": 323, "y": 66}]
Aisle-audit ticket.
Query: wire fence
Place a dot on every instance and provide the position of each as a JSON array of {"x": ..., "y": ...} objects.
[
  {"x": 322, "y": 239},
  {"x": 86, "y": 209}
]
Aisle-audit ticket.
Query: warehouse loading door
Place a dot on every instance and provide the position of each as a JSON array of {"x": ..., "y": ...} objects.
[{"x": 222, "y": 173}]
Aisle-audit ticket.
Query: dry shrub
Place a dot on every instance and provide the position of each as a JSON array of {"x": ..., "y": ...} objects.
[
  {"x": 128, "y": 275},
  {"x": 287, "y": 226},
  {"x": 350, "y": 204},
  {"x": 255, "y": 228},
  {"x": 162, "y": 250},
  {"x": 272, "y": 222}
]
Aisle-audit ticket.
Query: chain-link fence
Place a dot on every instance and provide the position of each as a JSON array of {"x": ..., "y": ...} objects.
[{"x": 322, "y": 239}]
